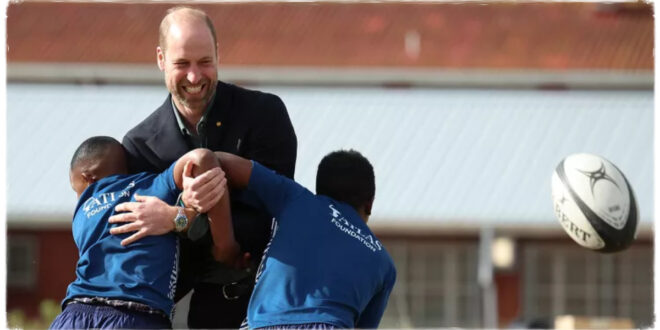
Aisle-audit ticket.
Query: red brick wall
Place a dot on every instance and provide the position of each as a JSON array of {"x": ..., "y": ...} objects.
[
  {"x": 466, "y": 35},
  {"x": 55, "y": 259}
]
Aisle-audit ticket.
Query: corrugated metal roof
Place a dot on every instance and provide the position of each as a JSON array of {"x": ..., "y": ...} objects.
[
  {"x": 497, "y": 35},
  {"x": 441, "y": 156}
]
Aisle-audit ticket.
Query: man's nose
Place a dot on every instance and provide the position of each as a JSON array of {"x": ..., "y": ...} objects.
[{"x": 194, "y": 74}]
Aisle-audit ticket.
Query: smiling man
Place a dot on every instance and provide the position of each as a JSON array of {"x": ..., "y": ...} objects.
[
  {"x": 201, "y": 111},
  {"x": 187, "y": 54}
]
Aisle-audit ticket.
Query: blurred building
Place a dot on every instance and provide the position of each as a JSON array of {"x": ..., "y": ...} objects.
[{"x": 464, "y": 110}]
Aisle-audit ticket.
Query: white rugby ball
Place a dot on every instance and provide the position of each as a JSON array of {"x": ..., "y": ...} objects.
[{"x": 594, "y": 203}]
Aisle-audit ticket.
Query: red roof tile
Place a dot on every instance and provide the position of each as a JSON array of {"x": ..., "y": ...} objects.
[{"x": 501, "y": 35}]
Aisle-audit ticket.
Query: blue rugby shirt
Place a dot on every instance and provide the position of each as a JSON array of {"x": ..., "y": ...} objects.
[
  {"x": 144, "y": 271},
  {"x": 323, "y": 264}
]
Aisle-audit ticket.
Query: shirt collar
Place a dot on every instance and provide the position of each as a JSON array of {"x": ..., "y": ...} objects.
[{"x": 182, "y": 126}]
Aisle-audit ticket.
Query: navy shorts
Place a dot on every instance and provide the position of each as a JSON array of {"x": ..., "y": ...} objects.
[
  {"x": 86, "y": 316},
  {"x": 306, "y": 326}
]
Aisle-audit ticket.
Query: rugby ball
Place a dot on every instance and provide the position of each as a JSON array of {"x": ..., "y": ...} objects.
[{"x": 594, "y": 203}]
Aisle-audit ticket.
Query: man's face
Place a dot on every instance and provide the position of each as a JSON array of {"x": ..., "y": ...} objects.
[{"x": 190, "y": 64}]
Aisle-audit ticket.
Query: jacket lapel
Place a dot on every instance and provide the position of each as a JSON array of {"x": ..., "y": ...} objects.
[{"x": 167, "y": 141}]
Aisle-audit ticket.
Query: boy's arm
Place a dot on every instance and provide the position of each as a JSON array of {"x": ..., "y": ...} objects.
[
  {"x": 149, "y": 215},
  {"x": 225, "y": 247},
  {"x": 264, "y": 187},
  {"x": 189, "y": 166},
  {"x": 237, "y": 169}
]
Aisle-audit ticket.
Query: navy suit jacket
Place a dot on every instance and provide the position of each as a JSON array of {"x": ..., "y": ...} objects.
[{"x": 251, "y": 124}]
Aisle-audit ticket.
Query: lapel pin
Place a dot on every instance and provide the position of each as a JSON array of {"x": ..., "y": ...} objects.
[{"x": 218, "y": 124}]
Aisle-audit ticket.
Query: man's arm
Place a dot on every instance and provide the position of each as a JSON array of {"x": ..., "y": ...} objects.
[
  {"x": 192, "y": 164},
  {"x": 147, "y": 216},
  {"x": 275, "y": 142},
  {"x": 135, "y": 161}
]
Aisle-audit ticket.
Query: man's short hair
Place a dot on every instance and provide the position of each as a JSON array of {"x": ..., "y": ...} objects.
[
  {"x": 165, "y": 24},
  {"x": 93, "y": 148},
  {"x": 346, "y": 176}
]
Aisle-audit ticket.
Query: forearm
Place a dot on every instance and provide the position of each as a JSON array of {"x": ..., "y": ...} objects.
[
  {"x": 225, "y": 246},
  {"x": 237, "y": 169},
  {"x": 149, "y": 215}
]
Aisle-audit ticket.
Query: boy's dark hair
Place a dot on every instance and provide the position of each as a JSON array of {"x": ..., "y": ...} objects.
[
  {"x": 346, "y": 176},
  {"x": 92, "y": 148}
]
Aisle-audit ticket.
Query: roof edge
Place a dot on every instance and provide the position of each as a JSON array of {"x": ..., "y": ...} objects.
[{"x": 108, "y": 73}]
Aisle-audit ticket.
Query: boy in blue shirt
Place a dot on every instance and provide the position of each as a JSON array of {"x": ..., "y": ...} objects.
[
  {"x": 323, "y": 267},
  {"x": 132, "y": 286}
]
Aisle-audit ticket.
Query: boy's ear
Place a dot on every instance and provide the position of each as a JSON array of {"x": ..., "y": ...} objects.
[
  {"x": 80, "y": 181},
  {"x": 88, "y": 177}
]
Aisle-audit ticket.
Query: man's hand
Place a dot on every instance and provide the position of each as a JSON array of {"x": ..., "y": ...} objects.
[
  {"x": 204, "y": 191},
  {"x": 146, "y": 216}
]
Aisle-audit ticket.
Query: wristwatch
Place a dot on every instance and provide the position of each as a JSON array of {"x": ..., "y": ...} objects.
[{"x": 180, "y": 221}]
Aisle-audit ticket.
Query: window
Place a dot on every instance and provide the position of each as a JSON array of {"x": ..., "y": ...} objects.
[
  {"x": 562, "y": 279},
  {"x": 22, "y": 261},
  {"x": 436, "y": 285}
]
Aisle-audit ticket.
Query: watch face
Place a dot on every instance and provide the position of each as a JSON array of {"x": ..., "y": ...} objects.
[{"x": 180, "y": 222}]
